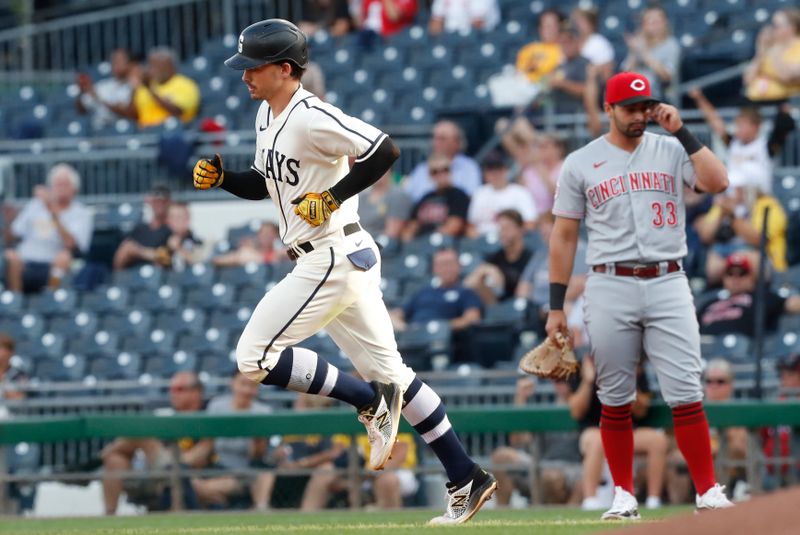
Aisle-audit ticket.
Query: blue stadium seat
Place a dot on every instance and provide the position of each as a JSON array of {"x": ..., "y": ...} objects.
[
  {"x": 281, "y": 269},
  {"x": 188, "y": 320},
  {"x": 135, "y": 322},
  {"x": 408, "y": 266},
  {"x": 104, "y": 300},
  {"x": 212, "y": 339},
  {"x": 509, "y": 313},
  {"x": 428, "y": 244},
  {"x": 123, "y": 216},
  {"x": 781, "y": 344},
  {"x": 143, "y": 277},
  {"x": 53, "y": 302},
  {"x": 165, "y": 365},
  {"x": 732, "y": 347},
  {"x": 165, "y": 297},
  {"x": 197, "y": 276},
  {"x": 217, "y": 364},
  {"x": 124, "y": 366},
  {"x": 28, "y": 326},
  {"x": 11, "y": 304},
  {"x": 23, "y": 458},
  {"x": 70, "y": 367},
  {"x": 219, "y": 295},
  {"x": 48, "y": 344},
  {"x": 322, "y": 344},
  {"x": 157, "y": 341},
  {"x": 251, "y": 273},
  {"x": 74, "y": 322},
  {"x": 233, "y": 319},
  {"x": 235, "y": 234},
  {"x": 392, "y": 292},
  {"x": 100, "y": 343},
  {"x": 421, "y": 341}
]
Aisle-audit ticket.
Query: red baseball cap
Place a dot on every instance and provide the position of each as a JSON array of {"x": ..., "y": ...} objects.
[
  {"x": 628, "y": 88},
  {"x": 738, "y": 260}
]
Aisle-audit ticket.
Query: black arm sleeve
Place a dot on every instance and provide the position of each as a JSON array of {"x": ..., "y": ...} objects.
[
  {"x": 781, "y": 128},
  {"x": 366, "y": 173},
  {"x": 247, "y": 185}
]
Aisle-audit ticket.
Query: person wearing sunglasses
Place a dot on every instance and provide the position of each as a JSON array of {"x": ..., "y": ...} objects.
[{"x": 734, "y": 311}]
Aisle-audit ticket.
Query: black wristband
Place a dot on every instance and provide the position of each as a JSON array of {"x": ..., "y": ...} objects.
[
  {"x": 558, "y": 292},
  {"x": 687, "y": 139}
]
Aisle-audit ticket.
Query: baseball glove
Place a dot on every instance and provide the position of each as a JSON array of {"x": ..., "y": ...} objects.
[
  {"x": 315, "y": 208},
  {"x": 550, "y": 361},
  {"x": 208, "y": 173}
]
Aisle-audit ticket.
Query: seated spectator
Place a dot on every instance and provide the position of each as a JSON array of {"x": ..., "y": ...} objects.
[
  {"x": 594, "y": 46},
  {"x": 534, "y": 283},
  {"x": 237, "y": 453},
  {"x": 182, "y": 244},
  {"x": 52, "y": 229},
  {"x": 585, "y": 407},
  {"x": 735, "y": 312},
  {"x": 498, "y": 195},
  {"x": 749, "y": 155},
  {"x": 567, "y": 83},
  {"x": 734, "y": 224},
  {"x": 332, "y": 16},
  {"x": 264, "y": 247},
  {"x": 384, "y": 209},
  {"x": 383, "y": 18},
  {"x": 308, "y": 492},
  {"x": 496, "y": 278},
  {"x": 540, "y": 157},
  {"x": 110, "y": 98},
  {"x": 560, "y": 458},
  {"x": 147, "y": 242},
  {"x": 654, "y": 52},
  {"x": 444, "y": 299},
  {"x": 160, "y": 92},
  {"x": 462, "y": 16},
  {"x": 448, "y": 140},
  {"x": 540, "y": 58},
  {"x": 186, "y": 395},
  {"x": 10, "y": 376},
  {"x": 442, "y": 210},
  {"x": 774, "y": 72},
  {"x": 719, "y": 389},
  {"x": 777, "y": 441}
]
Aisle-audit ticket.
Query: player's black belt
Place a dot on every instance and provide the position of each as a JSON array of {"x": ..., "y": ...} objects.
[
  {"x": 306, "y": 247},
  {"x": 643, "y": 271}
]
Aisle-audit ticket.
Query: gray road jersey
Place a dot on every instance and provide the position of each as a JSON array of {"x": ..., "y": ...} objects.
[{"x": 632, "y": 203}]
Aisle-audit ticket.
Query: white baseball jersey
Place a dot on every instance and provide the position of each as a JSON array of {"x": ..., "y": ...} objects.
[
  {"x": 632, "y": 203},
  {"x": 306, "y": 149}
]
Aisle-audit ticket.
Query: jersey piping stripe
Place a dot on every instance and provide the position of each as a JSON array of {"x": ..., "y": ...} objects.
[
  {"x": 372, "y": 148},
  {"x": 253, "y": 167},
  {"x": 277, "y": 189},
  {"x": 299, "y": 310},
  {"x": 359, "y": 134}
]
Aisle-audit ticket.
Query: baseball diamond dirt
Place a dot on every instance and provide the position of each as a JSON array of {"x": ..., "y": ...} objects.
[{"x": 774, "y": 514}]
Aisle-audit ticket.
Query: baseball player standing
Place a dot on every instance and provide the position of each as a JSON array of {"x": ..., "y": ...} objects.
[
  {"x": 628, "y": 187},
  {"x": 302, "y": 150}
]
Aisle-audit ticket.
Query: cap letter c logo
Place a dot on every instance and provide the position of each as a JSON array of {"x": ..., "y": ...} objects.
[{"x": 638, "y": 85}]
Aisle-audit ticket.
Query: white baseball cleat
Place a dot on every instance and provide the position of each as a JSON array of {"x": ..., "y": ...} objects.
[
  {"x": 382, "y": 418},
  {"x": 624, "y": 507},
  {"x": 465, "y": 500},
  {"x": 714, "y": 498}
]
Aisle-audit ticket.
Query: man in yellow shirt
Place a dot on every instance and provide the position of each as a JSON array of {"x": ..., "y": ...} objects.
[
  {"x": 160, "y": 92},
  {"x": 542, "y": 57}
]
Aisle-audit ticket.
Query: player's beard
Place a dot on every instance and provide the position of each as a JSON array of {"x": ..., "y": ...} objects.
[{"x": 631, "y": 130}]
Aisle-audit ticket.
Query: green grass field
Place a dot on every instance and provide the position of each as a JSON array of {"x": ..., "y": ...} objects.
[{"x": 549, "y": 521}]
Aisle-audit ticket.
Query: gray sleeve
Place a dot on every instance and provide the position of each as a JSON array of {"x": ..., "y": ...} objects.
[
  {"x": 81, "y": 226},
  {"x": 669, "y": 54},
  {"x": 569, "y": 197}
]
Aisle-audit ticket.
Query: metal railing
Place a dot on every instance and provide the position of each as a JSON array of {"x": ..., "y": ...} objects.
[{"x": 82, "y": 41}]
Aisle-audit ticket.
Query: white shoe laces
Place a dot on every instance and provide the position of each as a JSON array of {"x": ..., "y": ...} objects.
[{"x": 372, "y": 433}]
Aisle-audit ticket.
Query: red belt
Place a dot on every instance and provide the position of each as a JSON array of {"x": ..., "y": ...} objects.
[{"x": 643, "y": 271}]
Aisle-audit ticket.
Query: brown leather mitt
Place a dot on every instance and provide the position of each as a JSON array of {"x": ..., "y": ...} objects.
[{"x": 550, "y": 361}]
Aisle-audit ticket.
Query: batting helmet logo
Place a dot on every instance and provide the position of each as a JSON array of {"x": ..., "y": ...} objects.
[
  {"x": 241, "y": 42},
  {"x": 638, "y": 85}
]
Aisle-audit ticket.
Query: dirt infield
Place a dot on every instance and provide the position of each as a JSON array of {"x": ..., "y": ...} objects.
[{"x": 775, "y": 514}]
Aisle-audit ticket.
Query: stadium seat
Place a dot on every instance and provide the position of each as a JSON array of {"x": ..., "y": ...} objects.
[
  {"x": 251, "y": 273},
  {"x": 104, "y": 300},
  {"x": 70, "y": 367},
  {"x": 233, "y": 319},
  {"x": 136, "y": 322},
  {"x": 219, "y": 295},
  {"x": 165, "y": 365},
  {"x": 92, "y": 344},
  {"x": 124, "y": 366},
  {"x": 28, "y": 326},
  {"x": 425, "y": 345},
  {"x": 212, "y": 339},
  {"x": 511, "y": 313},
  {"x": 23, "y": 458},
  {"x": 322, "y": 344},
  {"x": 428, "y": 244},
  {"x": 165, "y": 297},
  {"x": 217, "y": 364},
  {"x": 781, "y": 344},
  {"x": 146, "y": 276},
  {"x": 197, "y": 276},
  {"x": 157, "y": 341},
  {"x": 47, "y": 345},
  {"x": 11, "y": 303},
  {"x": 76, "y": 322},
  {"x": 53, "y": 301},
  {"x": 392, "y": 292},
  {"x": 187, "y": 320},
  {"x": 732, "y": 347},
  {"x": 281, "y": 269},
  {"x": 408, "y": 266}
]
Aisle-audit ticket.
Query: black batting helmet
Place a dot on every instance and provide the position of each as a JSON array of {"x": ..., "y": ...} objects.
[{"x": 270, "y": 41}]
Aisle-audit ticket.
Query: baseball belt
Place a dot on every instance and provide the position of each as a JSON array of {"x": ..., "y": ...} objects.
[
  {"x": 307, "y": 247},
  {"x": 642, "y": 271}
]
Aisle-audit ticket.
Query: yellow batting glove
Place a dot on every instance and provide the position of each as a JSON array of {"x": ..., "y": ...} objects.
[
  {"x": 208, "y": 173},
  {"x": 315, "y": 208}
]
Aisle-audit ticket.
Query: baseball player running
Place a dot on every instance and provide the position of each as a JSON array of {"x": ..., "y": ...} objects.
[
  {"x": 628, "y": 187},
  {"x": 302, "y": 150}
]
